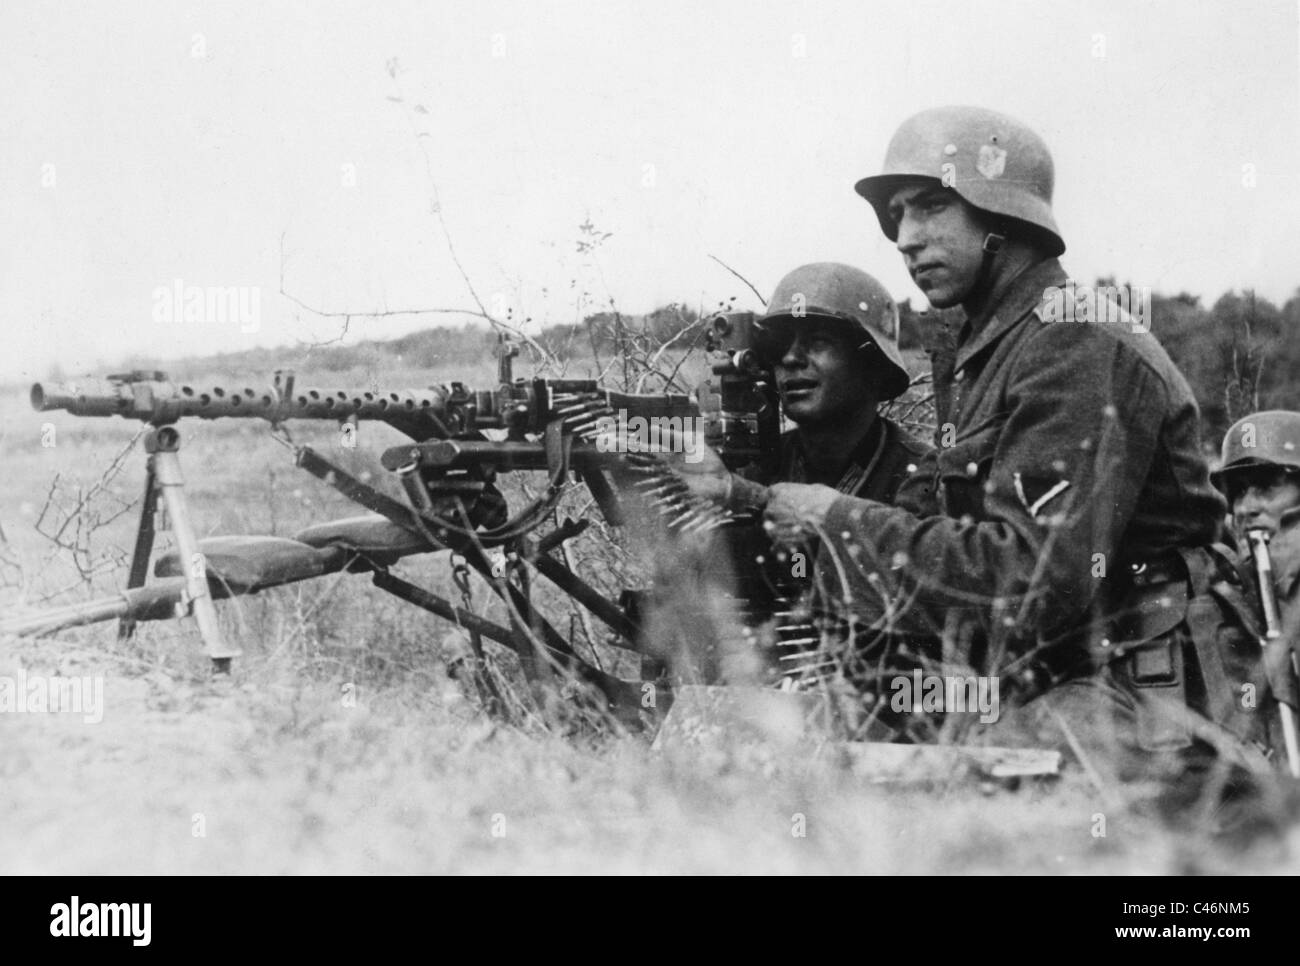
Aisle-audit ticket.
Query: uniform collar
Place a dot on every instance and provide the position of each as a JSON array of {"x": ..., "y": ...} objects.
[
  {"x": 862, "y": 463},
  {"x": 865, "y": 458},
  {"x": 1022, "y": 295}
]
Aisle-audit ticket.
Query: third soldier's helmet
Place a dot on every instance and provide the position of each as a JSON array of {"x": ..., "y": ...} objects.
[
  {"x": 1261, "y": 440},
  {"x": 992, "y": 161},
  {"x": 829, "y": 290}
]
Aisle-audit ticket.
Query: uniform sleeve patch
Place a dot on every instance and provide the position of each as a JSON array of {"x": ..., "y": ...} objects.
[{"x": 1034, "y": 494}]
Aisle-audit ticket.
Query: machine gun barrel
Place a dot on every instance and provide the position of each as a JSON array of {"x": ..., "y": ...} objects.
[
  {"x": 161, "y": 401},
  {"x": 437, "y": 412}
]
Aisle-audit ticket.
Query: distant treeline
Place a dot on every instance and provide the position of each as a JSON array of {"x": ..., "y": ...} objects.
[{"x": 1240, "y": 355}]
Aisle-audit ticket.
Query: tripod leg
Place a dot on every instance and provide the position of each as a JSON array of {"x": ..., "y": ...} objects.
[
  {"x": 143, "y": 547},
  {"x": 168, "y": 469}
]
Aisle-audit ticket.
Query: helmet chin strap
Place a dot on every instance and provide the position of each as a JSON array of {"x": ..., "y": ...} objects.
[{"x": 993, "y": 242}]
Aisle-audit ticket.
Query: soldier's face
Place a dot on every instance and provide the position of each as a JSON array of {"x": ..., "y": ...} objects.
[
  {"x": 821, "y": 376},
  {"x": 942, "y": 241},
  {"x": 1262, "y": 499}
]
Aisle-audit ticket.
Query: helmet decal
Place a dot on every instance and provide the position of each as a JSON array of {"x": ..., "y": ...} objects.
[{"x": 992, "y": 162}]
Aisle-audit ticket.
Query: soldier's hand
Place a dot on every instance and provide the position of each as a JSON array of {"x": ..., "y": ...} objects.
[
  {"x": 685, "y": 455},
  {"x": 797, "y": 512},
  {"x": 1284, "y": 550},
  {"x": 699, "y": 467}
]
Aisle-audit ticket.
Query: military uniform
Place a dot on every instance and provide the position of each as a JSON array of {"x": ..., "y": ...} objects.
[
  {"x": 1039, "y": 445},
  {"x": 886, "y": 467},
  {"x": 1076, "y": 521},
  {"x": 885, "y": 464},
  {"x": 805, "y": 645},
  {"x": 1073, "y": 558}
]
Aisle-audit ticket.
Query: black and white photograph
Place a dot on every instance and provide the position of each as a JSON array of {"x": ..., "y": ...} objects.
[{"x": 564, "y": 438}]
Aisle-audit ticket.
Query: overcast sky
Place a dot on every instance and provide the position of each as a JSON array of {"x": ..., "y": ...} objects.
[{"x": 143, "y": 143}]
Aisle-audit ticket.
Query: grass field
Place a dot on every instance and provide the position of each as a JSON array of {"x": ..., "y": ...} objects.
[{"x": 341, "y": 745}]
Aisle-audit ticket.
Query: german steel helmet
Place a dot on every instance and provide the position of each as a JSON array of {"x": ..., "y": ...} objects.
[
  {"x": 829, "y": 290},
  {"x": 1268, "y": 439},
  {"x": 992, "y": 161}
]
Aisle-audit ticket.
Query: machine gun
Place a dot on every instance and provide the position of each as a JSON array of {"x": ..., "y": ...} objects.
[{"x": 447, "y": 476}]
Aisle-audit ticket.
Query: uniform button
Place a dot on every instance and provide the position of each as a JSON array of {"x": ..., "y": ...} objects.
[{"x": 959, "y": 376}]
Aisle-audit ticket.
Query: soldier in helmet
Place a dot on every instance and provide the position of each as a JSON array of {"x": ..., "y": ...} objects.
[
  {"x": 1260, "y": 476},
  {"x": 1071, "y": 557},
  {"x": 828, "y": 336},
  {"x": 828, "y": 339}
]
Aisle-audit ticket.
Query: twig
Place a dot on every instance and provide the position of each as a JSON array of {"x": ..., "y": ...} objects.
[
  {"x": 741, "y": 277},
  {"x": 348, "y": 315},
  {"x": 655, "y": 358}
]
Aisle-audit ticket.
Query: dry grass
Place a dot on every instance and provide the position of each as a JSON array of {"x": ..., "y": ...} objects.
[{"x": 286, "y": 773}]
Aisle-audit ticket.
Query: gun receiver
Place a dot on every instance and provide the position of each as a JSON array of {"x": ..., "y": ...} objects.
[{"x": 740, "y": 406}]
